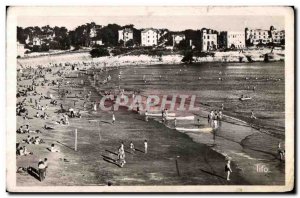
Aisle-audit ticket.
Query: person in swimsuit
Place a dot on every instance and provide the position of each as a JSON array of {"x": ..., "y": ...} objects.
[{"x": 228, "y": 170}]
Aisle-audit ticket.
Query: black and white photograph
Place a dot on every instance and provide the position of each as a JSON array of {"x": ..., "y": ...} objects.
[{"x": 150, "y": 99}]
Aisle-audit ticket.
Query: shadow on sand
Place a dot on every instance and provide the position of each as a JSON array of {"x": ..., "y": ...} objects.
[
  {"x": 110, "y": 160},
  {"x": 33, "y": 172},
  {"x": 111, "y": 152},
  {"x": 213, "y": 174},
  {"x": 139, "y": 150},
  {"x": 65, "y": 145}
]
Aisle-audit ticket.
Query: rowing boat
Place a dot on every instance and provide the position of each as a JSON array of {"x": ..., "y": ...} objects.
[
  {"x": 159, "y": 114},
  {"x": 245, "y": 98},
  {"x": 180, "y": 117},
  {"x": 205, "y": 130}
]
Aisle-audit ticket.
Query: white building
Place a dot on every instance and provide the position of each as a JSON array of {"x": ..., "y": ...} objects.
[
  {"x": 27, "y": 41},
  {"x": 97, "y": 42},
  {"x": 256, "y": 36},
  {"x": 150, "y": 37},
  {"x": 209, "y": 39},
  {"x": 230, "y": 39},
  {"x": 125, "y": 34},
  {"x": 94, "y": 30},
  {"x": 177, "y": 38},
  {"x": 277, "y": 35},
  {"x": 20, "y": 49},
  {"x": 36, "y": 41}
]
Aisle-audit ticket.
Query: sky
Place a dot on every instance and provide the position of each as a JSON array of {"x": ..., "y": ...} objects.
[{"x": 173, "y": 23}]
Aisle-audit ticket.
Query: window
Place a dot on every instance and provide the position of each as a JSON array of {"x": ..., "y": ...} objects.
[{"x": 207, "y": 37}]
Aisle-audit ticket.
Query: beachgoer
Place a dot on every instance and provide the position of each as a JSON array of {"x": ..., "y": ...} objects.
[
  {"x": 113, "y": 118},
  {"x": 252, "y": 115},
  {"x": 53, "y": 149},
  {"x": 228, "y": 170},
  {"x": 146, "y": 116},
  {"x": 146, "y": 146},
  {"x": 132, "y": 147},
  {"x": 281, "y": 152},
  {"x": 41, "y": 167},
  {"x": 46, "y": 165},
  {"x": 122, "y": 158},
  {"x": 220, "y": 115},
  {"x": 175, "y": 122},
  {"x": 95, "y": 106},
  {"x": 215, "y": 124}
]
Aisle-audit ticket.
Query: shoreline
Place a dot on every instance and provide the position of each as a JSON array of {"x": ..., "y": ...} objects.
[{"x": 126, "y": 60}]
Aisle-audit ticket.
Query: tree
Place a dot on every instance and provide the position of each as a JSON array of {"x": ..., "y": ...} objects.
[
  {"x": 129, "y": 43},
  {"x": 183, "y": 45},
  {"x": 21, "y": 35},
  {"x": 109, "y": 34},
  {"x": 188, "y": 57},
  {"x": 99, "y": 52},
  {"x": 195, "y": 36}
]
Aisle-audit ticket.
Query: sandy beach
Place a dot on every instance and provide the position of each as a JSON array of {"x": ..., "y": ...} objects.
[{"x": 94, "y": 163}]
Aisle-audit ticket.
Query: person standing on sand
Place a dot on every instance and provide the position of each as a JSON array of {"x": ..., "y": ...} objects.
[
  {"x": 46, "y": 165},
  {"x": 95, "y": 106},
  {"x": 146, "y": 116},
  {"x": 252, "y": 115},
  {"x": 113, "y": 118},
  {"x": 228, "y": 170},
  {"x": 146, "y": 146},
  {"x": 41, "y": 167},
  {"x": 132, "y": 147},
  {"x": 281, "y": 152}
]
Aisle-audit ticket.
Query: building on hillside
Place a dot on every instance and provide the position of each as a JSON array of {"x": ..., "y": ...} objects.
[
  {"x": 177, "y": 38},
  {"x": 94, "y": 31},
  {"x": 125, "y": 35},
  {"x": 209, "y": 39},
  {"x": 230, "y": 39},
  {"x": 96, "y": 42},
  {"x": 150, "y": 37},
  {"x": 257, "y": 36},
  {"x": 277, "y": 36},
  {"x": 27, "y": 41},
  {"x": 36, "y": 41},
  {"x": 20, "y": 49}
]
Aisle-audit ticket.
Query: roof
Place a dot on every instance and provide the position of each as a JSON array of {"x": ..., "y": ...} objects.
[
  {"x": 148, "y": 29},
  {"x": 182, "y": 35},
  {"x": 129, "y": 30}
]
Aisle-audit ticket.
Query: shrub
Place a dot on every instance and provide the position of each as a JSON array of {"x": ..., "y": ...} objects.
[
  {"x": 98, "y": 52},
  {"x": 188, "y": 57}
]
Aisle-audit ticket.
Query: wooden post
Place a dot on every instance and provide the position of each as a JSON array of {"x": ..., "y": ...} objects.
[
  {"x": 75, "y": 139},
  {"x": 177, "y": 168}
]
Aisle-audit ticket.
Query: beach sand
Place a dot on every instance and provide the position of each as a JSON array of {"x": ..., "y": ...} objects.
[{"x": 93, "y": 162}]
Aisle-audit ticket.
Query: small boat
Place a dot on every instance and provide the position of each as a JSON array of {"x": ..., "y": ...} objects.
[
  {"x": 203, "y": 130},
  {"x": 159, "y": 114},
  {"x": 245, "y": 98},
  {"x": 180, "y": 117}
]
